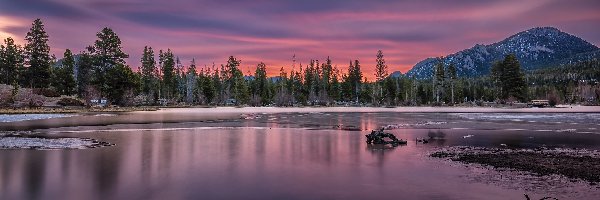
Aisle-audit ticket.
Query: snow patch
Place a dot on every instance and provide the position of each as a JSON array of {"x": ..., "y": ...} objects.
[{"x": 541, "y": 48}]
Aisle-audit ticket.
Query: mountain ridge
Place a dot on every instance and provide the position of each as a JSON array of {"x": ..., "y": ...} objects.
[{"x": 535, "y": 48}]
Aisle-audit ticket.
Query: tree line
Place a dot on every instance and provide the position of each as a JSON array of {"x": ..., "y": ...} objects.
[{"x": 100, "y": 72}]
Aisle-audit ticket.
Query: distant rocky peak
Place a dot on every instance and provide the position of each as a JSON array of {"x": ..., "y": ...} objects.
[{"x": 535, "y": 48}]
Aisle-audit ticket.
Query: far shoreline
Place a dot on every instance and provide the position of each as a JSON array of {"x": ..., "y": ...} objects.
[{"x": 250, "y": 110}]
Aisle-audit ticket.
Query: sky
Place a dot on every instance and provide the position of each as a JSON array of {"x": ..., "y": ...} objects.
[{"x": 273, "y": 31}]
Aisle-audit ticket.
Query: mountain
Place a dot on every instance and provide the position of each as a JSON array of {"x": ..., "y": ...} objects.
[
  {"x": 535, "y": 48},
  {"x": 396, "y": 74}
]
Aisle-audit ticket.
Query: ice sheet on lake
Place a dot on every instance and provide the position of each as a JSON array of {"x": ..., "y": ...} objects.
[
  {"x": 46, "y": 143},
  {"x": 398, "y": 126},
  {"x": 25, "y": 117},
  {"x": 573, "y": 118}
]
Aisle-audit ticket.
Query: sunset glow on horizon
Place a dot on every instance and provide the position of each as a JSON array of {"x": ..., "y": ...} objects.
[{"x": 274, "y": 31}]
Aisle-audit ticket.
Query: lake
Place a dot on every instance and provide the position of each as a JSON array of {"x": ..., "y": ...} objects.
[{"x": 288, "y": 155}]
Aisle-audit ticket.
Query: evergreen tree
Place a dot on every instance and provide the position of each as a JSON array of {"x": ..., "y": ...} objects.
[
  {"x": 107, "y": 55},
  {"x": 497, "y": 77},
  {"x": 234, "y": 79},
  {"x": 439, "y": 79},
  {"x": 282, "y": 96},
  {"x": 326, "y": 81},
  {"x": 65, "y": 75},
  {"x": 12, "y": 61},
  {"x": 390, "y": 88},
  {"x": 260, "y": 84},
  {"x": 354, "y": 80},
  {"x": 514, "y": 78},
  {"x": 123, "y": 83},
  {"x": 310, "y": 79},
  {"x": 191, "y": 82},
  {"x": 148, "y": 72},
  {"x": 38, "y": 56},
  {"x": 381, "y": 72},
  {"x": 179, "y": 80},
  {"x": 297, "y": 87},
  {"x": 381, "y": 69},
  {"x": 210, "y": 85},
  {"x": 452, "y": 77},
  {"x": 335, "y": 88},
  {"x": 509, "y": 79},
  {"x": 85, "y": 67},
  {"x": 167, "y": 63}
]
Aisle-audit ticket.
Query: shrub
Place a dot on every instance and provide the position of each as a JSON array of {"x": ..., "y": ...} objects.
[
  {"x": 69, "y": 102},
  {"x": 47, "y": 92},
  {"x": 479, "y": 103},
  {"x": 436, "y": 104},
  {"x": 36, "y": 101},
  {"x": 6, "y": 99}
]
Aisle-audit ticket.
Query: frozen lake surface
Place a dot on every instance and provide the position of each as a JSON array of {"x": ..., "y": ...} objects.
[{"x": 24, "y": 117}]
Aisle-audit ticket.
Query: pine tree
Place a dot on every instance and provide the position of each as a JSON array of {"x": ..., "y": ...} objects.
[
  {"x": 260, "y": 86},
  {"x": 326, "y": 78},
  {"x": 354, "y": 80},
  {"x": 515, "y": 83},
  {"x": 191, "y": 82},
  {"x": 179, "y": 80},
  {"x": 235, "y": 82},
  {"x": 381, "y": 69},
  {"x": 167, "y": 63},
  {"x": 65, "y": 75},
  {"x": 381, "y": 72},
  {"x": 12, "y": 61},
  {"x": 106, "y": 54},
  {"x": 148, "y": 70},
  {"x": 211, "y": 85},
  {"x": 389, "y": 86},
  {"x": 452, "y": 77},
  {"x": 282, "y": 97},
  {"x": 497, "y": 77},
  {"x": 310, "y": 79},
  {"x": 439, "y": 79},
  {"x": 38, "y": 56},
  {"x": 335, "y": 88},
  {"x": 509, "y": 79},
  {"x": 85, "y": 66},
  {"x": 123, "y": 83}
]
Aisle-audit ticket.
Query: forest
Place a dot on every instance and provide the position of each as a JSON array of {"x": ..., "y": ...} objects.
[{"x": 100, "y": 75}]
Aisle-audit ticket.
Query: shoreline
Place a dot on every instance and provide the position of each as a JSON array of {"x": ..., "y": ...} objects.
[
  {"x": 252, "y": 110},
  {"x": 68, "y": 110}
]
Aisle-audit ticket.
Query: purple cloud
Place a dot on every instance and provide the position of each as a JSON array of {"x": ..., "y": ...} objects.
[{"x": 272, "y": 31}]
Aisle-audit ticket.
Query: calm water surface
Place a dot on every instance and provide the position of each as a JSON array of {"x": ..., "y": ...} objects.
[{"x": 289, "y": 157}]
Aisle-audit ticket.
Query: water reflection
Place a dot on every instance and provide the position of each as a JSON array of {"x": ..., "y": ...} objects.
[
  {"x": 381, "y": 150},
  {"x": 255, "y": 162}
]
